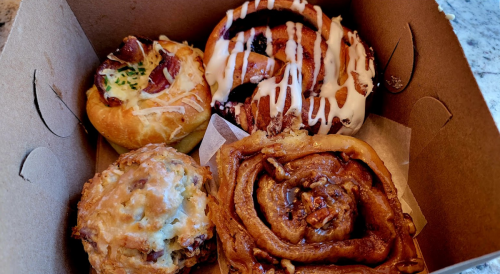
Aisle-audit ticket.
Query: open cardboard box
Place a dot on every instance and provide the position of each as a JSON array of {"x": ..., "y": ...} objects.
[{"x": 49, "y": 149}]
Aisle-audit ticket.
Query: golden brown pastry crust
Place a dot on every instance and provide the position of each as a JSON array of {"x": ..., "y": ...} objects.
[
  {"x": 382, "y": 244},
  {"x": 119, "y": 125},
  {"x": 146, "y": 213}
]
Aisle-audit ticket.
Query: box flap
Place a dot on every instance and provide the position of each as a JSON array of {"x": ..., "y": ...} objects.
[
  {"x": 454, "y": 171},
  {"x": 42, "y": 173},
  {"x": 107, "y": 22}
]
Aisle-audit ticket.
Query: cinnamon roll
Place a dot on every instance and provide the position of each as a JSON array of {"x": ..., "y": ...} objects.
[
  {"x": 151, "y": 92},
  {"x": 295, "y": 203},
  {"x": 316, "y": 80}
]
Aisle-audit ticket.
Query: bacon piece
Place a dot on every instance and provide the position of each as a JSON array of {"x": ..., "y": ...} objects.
[
  {"x": 100, "y": 82},
  {"x": 154, "y": 255},
  {"x": 130, "y": 49},
  {"x": 157, "y": 79}
]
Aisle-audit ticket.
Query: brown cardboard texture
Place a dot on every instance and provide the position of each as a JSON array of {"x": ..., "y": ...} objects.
[{"x": 453, "y": 171}]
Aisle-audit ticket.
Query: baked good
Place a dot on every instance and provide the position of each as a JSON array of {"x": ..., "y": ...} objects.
[
  {"x": 146, "y": 213},
  {"x": 151, "y": 92},
  {"x": 316, "y": 80},
  {"x": 295, "y": 203}
]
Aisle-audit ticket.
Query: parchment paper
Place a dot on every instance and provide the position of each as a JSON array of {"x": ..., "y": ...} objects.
[{"x": 390, "y": 140}]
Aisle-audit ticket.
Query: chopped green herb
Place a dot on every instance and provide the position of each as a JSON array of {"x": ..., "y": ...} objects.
[
  {"x": 134, "y": 88},
  {"x": 142, "y": 73},
  {"x": 105, "y": 80},
  {"x": 122, "y": 69},
  {"x": 117, "y": 81},
  {"x": 140, "y": 63},
  {"x": 130, "y": 73},
  {"x": 123, "y": 83},
  {"x": 123, "y": 75},
  {"x": 108, "y": 88},
  {"x": 142, "y": 69}
]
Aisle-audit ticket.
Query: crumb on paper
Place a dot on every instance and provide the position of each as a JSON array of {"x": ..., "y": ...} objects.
[
  {"x": 395, "y": 82},
  {"x": 450, "y": 17}
]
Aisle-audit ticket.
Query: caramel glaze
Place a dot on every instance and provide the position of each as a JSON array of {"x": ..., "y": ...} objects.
[{"x": 345, "y": 209}]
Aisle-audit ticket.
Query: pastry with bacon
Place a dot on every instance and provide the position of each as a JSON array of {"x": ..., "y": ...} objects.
[
  {"x": 151, "y": 92},
  {"x": 295, "y": 203},
  {"x": 313, "y": 79},
  {"x": 146, "y": 213}
]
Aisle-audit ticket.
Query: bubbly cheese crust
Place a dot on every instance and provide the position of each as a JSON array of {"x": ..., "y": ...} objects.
[{"x": 140, "y": 213}]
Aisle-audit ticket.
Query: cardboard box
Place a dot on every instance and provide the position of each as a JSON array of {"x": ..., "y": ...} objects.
[{"x": 49, "y": 147}]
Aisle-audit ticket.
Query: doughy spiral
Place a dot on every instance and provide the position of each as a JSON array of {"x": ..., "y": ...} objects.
[
  {"x": 321, "y": 200},
  {"x": 307, "y": 79}
]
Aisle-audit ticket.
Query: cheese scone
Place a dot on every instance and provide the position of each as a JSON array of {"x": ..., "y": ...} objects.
[
  {"x": 146, "y": 213},
  {"x": 151, "y": 92}
]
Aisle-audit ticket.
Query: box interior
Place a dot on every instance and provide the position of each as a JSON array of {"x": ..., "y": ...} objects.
[{"x": 50, "y": 147}]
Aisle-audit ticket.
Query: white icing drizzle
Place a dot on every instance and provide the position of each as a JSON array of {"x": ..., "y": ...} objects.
[
  {"x": 220, "y": 70},
  {"x": 244, "y": 10},
  {"x": 353, "y": 109},
  {"x": 269, "y": 50},
  {"x": 237, "y": 110},
  {"x": 268, "y": 87},
  {"x": 247, "y": 53},
  {"x": 291, "y": 45},
  {"x": 269, "y": 41},
  {"x": 270, "y": 4},
  {"x": 270, "y": 65},
  {"x": 298, "y": 5},
  {"x": 223, "y": 61},
  {"x": 300, "y": 50},
  {"x": 229, "y": 21},
  {"x": 317, "y": 45},
  {"x": 240, "y": 39}
]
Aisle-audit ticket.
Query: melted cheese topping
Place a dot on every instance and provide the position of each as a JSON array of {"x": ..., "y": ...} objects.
[
  {"x": 185, "y": 82},
  {"x": 126, "y": 83}
]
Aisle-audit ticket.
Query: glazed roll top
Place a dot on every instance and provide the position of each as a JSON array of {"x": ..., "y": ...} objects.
[
  {"x": 146, "y": 213},
  {"x": 314, "y": 79}
]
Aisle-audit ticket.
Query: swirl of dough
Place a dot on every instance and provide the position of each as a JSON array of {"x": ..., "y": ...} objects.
[
  {"x": 316, "y": 80},
  {"x": 321, "y": 199}
]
